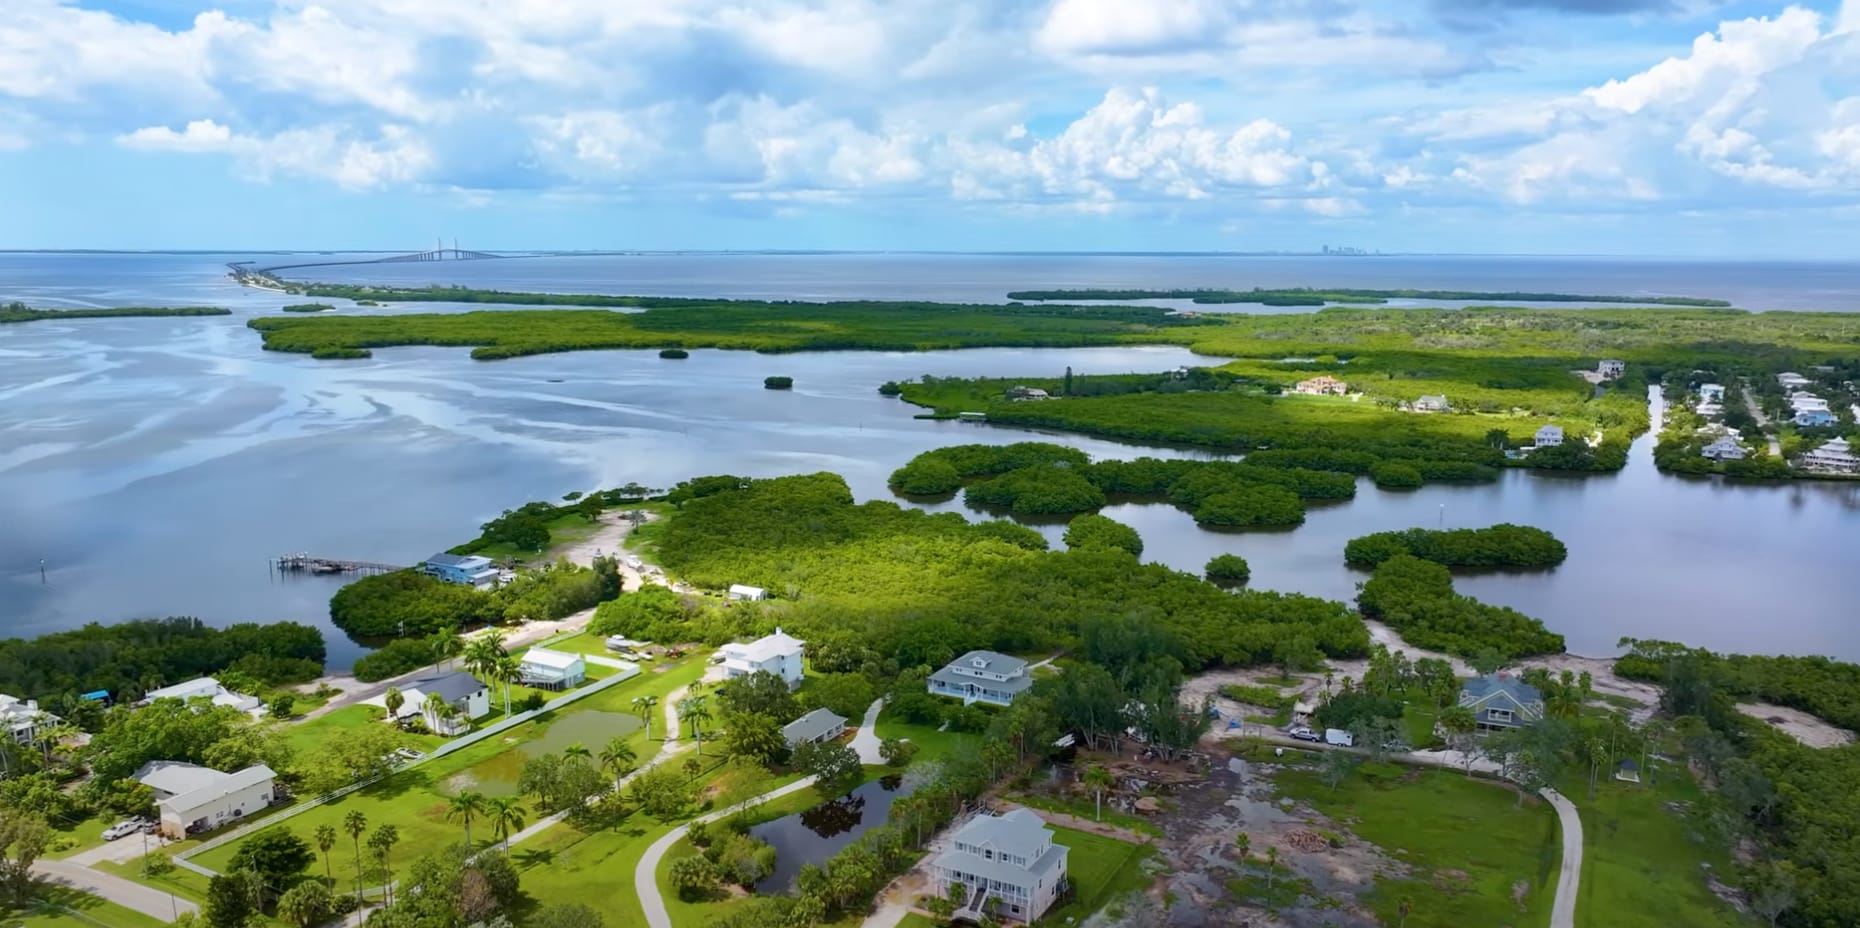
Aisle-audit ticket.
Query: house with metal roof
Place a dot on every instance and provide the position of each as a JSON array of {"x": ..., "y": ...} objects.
[
  {"x": 465, "y": 570},
  {"x": 1009, "y": 863},
  {"x": 815, "y": 727},
  {"x": 1501, "y": 702},
  {"x": 1726, "y": 448},
  {"x": 982, "y": 676},
  {"x": 1549, "y": 436},
  {"x": 193, "y": 799},
  {"x": 209, "y": 689},
  {"x": 1433, "y": 402},
  {"x": 23, "y": 719},
  {"x": 780, "y": 654},
  {"x": 548, "y": 669},
  {"x": 469, "y": 697}
]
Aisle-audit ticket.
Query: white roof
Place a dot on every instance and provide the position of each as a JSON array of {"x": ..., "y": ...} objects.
[
  {"x": 745, "y": 589},
  {"x": 779, "y": 644},
  {"x": 1019, "y": 832},
  {"x": 224, "y": 784},
  {"x": 544, "y": 657},
  {"x": 176, "y": 777},
  {"x": 1550, "y": 430},
  {"x": 202, "y": 686}
]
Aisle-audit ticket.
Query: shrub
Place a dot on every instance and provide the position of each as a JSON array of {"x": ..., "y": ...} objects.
[
  {"x": 896, "y": 751},
  {"x": 889, "y": 388},
  {"x": 777, "y": 383},
  {"x": 674, "y": 354},
  {"x": 1395, "y": 475},
  {"x": 1093, "y": 530},
  {"x": 1502, "y": 545},
  {"x": 1228, "y": 568},
  {"x": 394, "y": 658},
  {"x": 925, "y": 476},
  {"x": 694, "y": 877},
  {"x": 1249, "y": 506}
]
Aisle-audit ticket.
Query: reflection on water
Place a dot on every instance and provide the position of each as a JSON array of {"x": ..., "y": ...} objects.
[{"x": 812, "y": 836}]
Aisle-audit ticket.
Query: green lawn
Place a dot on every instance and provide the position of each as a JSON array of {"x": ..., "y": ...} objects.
[
  {"x": 82, "y": 833},
  {"x": 307, "y": 736},
  {"x": 1640, "y": 867},
  {"x": 1101, "y": 869},
  {"x": 62, "y": 907},
  {"x": 930, "y": 743},
  {"x": 1086, "y": 808},
  {"x": 565, "y": 529},
  {"x": 414, "y": 800},
  {"x": 914, "y": 920},
  {"x": 1468, "y": 841}
]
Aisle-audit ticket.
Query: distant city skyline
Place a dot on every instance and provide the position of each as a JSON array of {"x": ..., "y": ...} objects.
[{"x": 1558, "y": 127}]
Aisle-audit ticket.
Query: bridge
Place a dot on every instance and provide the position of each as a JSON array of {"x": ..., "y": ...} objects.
[{"x": 441, "y": 253}]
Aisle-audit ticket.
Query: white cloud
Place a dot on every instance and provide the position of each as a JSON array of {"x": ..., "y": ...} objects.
[
  {"x": 1090, "y": 27},
  {"x": 1721, "y": 64},
  {"x": 395, "y": 157}
]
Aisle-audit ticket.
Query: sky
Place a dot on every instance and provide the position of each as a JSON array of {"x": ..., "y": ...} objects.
[{"x": 1633, "y": 127}]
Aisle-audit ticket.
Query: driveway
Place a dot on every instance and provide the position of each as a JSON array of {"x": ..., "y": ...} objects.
[
  {"x": 161, "y": 906},
  {"x": 1563, "y": 911},
  {"x": 865, "y": 740}
]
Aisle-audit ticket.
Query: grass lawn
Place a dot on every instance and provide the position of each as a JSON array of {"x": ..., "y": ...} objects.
[
  {"x": 83, "y": 833},
  {"x": 1101, "y": 869},
  {"x": 1640, "y": 866},
  {"x": 414, "y": 800},
  {"x": 1084, "y": 807},
  {"x": 931, "y": 744},
  {"x": 305, "y": 737},
  {"x": 180, "y": 881},
  {"x": 63, "y": 907},
  {"x": 565, "y": 529},
  {"x": 914, "y": 920},
  {"x": 1467, "y": 840}
]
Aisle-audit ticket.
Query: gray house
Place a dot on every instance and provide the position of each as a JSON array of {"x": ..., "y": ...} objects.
[
  {"x": 1009, "y": 863},
  {"x": 982, "y": 676},
  {"x": 813, "y": 728},
  {"x": 1501, "y": 703}
]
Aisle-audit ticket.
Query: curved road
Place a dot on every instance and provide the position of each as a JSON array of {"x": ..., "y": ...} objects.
[
  {"x": 645, "y": 876},
  {"x": 1563, "y": 911}
]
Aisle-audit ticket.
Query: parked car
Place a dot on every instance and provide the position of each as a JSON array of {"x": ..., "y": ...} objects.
[
  {"x": 408, "y": 754},
  {"x": 149, "y": 827},
  {"x": 1305, "y": 734},
  {"x": 120, "y": 829}
]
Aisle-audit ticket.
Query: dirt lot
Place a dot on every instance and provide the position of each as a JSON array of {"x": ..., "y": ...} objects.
[{"x": 1798, "y": 724}]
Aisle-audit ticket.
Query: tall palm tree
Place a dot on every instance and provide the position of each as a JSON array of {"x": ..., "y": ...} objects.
[
  {"x": 445, "y": 645},
  {"x": 1272, "y": 867},
  {"x": 467, "y": 806},
  {"x": 326, "y": 839},
  {"x": 436, "y": 709},
  {"x": 382, "y": 842},
  {"x": 393, "y": 699},
  {"x": 690, "y": 708},
  {"x": 618, "y": 757},
  {"x": 355, "y": 823},
  {"x": 509, "y": 670},
  {"x": 578, "y": 752},
  {"x": 1099, "y": 779},
  {"x": 505, "y": 814},
  {"x": 644, "y": 705}
]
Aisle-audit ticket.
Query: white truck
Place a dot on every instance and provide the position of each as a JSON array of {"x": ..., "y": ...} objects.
[{"x": 1339, "y": 737}]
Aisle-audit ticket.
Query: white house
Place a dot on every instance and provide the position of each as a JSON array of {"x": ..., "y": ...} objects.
[
  {"x": 1321, "y": 385},
  {"x": 1792, "y": 381},
  {"x": 742, "y": 593},
  {"x": 23, "y": 719},
  {"x": 460, "y": 690},
  {"x": 982, "y": 676},
  {"x": 546, "y": 669},
  {"x": 1432, "y": 403},
  {"x": 1711, "y": 392},
  {"x": 1024, "y": 392},
  {"x": 192, "y": 798},
  {"x": 1725, "y": 448},
  {"x": 1835, "y": 456},
  {"x": 1803, "y": 402},
  {"x": 1549, "y": 436},
  {"x": 1610, "y": 368},
  {"x": 1009, "y": 863},
  {"x": 780, "y": 654},
  {"x": 813, "y": 728},
  {"x": 206, "y": 688}
]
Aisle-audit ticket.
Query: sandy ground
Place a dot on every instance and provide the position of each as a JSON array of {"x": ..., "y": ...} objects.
[{"x": 1798, "y": 724}]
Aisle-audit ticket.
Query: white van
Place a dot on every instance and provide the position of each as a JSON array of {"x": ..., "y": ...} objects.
[{"x": 1339, "y": 737}]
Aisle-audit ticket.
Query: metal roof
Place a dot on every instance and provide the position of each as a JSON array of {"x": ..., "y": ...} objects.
[
  {"x": 812, "y": 725},
  {"x": 451, "y": 687}
]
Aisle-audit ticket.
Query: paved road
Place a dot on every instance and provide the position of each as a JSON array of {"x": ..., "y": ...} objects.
[
  {"x": 1563, "y": 911},
  {"x": 865, "y": 740},
  {"x": 645, "y": 876},
  {"x": 129, "y": 894}
]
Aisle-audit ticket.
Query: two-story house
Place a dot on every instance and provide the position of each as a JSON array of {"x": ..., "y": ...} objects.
[
  {"x": 1549, "y": 436},
  {"x": 465, "y": 570},
  {"x": 780, "y": 654},
  {"x": 982, "y": 676},
  {"x": 1501, "y": 702},
  {"x": 1009, "y": 863}
]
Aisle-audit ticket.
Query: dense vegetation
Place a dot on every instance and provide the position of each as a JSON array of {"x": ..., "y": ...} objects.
[
  {"x": 778, "y": 383},
  {"x": 1416, "y": 598},
  {"x": 133, "y": 657},
  {"x": 407, "y": 602},
  {"x": 903, "y": 588},
  {"x": 1228, "y": 568},
  {"x": 1797, "y": 803},
  {"x": 674, "y": 354},
  {"x": 739, "y": 324},
  {"x": 1308, "y": 296},
  {"x": 1093, "y": 530},
  {"x": 306, "y": 307},
  {"x": 1501, "y": 545},
  {"x": 20, "y": 312}
]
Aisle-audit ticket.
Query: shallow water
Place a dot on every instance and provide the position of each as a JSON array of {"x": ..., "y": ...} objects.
[{"x": 812, "y": 836}]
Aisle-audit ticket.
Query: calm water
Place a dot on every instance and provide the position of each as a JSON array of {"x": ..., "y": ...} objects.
[
  {"x": 155, "y": 465},
  {"x": 812, "y": 836}
]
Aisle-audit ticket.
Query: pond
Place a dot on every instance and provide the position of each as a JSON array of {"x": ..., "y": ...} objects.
[
  {"x": 497, "y": 776},
  {"x": 812, "y": 836}
]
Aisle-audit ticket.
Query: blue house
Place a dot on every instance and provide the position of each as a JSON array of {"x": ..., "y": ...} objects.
[
  {"x": 1813, "y": 417},
  {"x": 466, "y": 570},
  {"x": 1501, "y": 703}
]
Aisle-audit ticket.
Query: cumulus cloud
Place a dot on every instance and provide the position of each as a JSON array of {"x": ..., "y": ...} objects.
[{"x": 394, "y": 157}]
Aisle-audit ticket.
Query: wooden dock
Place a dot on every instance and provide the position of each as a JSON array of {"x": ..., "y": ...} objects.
[{"x": 310, "y": 564}]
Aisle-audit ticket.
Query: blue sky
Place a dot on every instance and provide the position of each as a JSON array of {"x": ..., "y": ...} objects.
[{"x": 1682, "y": 127}]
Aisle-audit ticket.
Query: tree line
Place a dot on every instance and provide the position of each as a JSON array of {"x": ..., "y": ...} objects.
[
  {"x": 129, "y": 658},
  {"x": 1501, "y": 545},
  {"x": 1416, "y": 598}
]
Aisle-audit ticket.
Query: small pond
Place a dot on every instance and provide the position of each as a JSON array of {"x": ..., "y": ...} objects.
[
  {"x": 497, "y": 776},
  {"x": 812, "y": 836}
]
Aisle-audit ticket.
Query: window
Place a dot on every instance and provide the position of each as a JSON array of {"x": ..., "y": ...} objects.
[{"x": 1498, "y": 715}]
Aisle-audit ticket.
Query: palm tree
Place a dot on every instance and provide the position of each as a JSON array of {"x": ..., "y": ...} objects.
[
  {"x": 1244, "y": 842},
  {"x": 326, "y": 839},
  {"x": 445, "y": 645},
  {"x": 644, "y": 706},
  {"x": 1272, "y": 867},
  {"x": 509, "y": 670},
  {"x": 355, "y": 823},
  {"x": 695, "y": 709},
  {"x": 435, "y": 709},
  {"x": 578, "y": 752},
  {"x": 467, "y": 806},
  {"x": 506, "y": 815},
  {"x": 393, "y": 699},
  {"x": 618, "y": 757},
  {"x": 382, "y": 842},
  {"x": 483, "y": 652},
  {"x": 1099, "y": 780}
]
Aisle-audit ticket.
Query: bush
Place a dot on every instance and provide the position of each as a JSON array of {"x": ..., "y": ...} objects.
[
  {"x": 395, "y": 658},
  {"x": 1228, "y": 568},
  {"x": 777, "y": 383},
  {"x": 531, "y": 702},
  {"x": 1250, "y": 506},
  {"x": 674, "y": 354},
  {"x": 896, "y": 751},
  {"x": 1395, "y": 475},
  {"x": 1093, "y": 530},
  {"x": 1014, "y": 533},
  {"x": 695, "y": 878},
  {"x": 889, "y": 388},
  {"x": 1502, "y": 545},
  {"x": 926, "y": 476}
]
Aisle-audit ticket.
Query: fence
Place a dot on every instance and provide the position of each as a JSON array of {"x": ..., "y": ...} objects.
[{"x": 629, "y": 672}]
